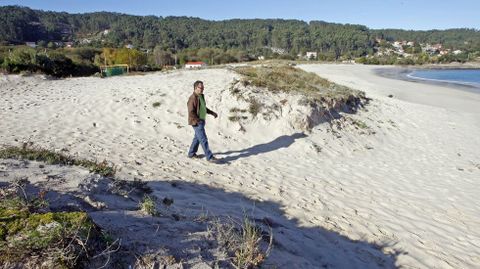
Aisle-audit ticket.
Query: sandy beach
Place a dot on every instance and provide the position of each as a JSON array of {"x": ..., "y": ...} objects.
[{"x": 400, "y": 192}]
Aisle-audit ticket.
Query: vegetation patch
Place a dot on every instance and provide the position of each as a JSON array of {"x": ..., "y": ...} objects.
[
  {"x": 29, "y": 238},
  {"x": 360, "y": 124},
  {"x": 30, "y": 152},
  {"x": 284, "y": 78},
  {"x": 236, "y": 118},
  {"x": 243, "y": 242},
  {"x": 237, "y": 110},
  {"x": 54, "y": 63},
  {"x": 148, "y": 206},
  {"x": 254, "y": 107}
]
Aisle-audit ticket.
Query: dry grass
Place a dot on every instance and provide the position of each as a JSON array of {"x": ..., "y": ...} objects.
[
  {"x": 237, "y": 110},
  {"x": 285, "y": 78},
  {"x": 30, "y": 152},
  {"x": 148, "y": 206},
  {"x": 360, "y": 124},
  {"x": 236, "y": 118},
  {"x": 243, "y": 242},
  {"x": 237, "y": 114},
  {"x": 248, "y": 254},
  {"x": 254, "y": 107}
]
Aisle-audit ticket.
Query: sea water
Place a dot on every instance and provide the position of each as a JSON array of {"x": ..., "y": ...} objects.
[{"x": 470, "y": 77}]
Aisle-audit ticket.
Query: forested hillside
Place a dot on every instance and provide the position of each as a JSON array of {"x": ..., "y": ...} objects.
[{"x": 104, "y": 29}]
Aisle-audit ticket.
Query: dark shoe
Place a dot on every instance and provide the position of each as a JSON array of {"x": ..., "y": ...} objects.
[
  {"x": 214, "y": 160},
  {"x": 194, "y": 156}
]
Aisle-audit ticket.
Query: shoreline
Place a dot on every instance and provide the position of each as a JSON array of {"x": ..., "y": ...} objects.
[
  {"x": 404, "y": 74},
  {"x": 392, "y": 81}
]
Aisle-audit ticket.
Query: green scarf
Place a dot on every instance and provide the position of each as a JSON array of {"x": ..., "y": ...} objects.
[{"x": 203, "y": 108}]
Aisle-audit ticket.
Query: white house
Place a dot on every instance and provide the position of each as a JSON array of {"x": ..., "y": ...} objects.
[
  {"x": 397, "y": 44},
  {"x": 31, "y": 44},
  {"x": 190, "y": 65},
  {"x": 311, "y": 55},
  {"x": 85, "y": 41},
  {"x": 277, "y": 50}
]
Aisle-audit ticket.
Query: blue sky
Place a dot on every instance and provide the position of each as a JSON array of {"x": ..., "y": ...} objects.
[{"x": 376, "y": 14}]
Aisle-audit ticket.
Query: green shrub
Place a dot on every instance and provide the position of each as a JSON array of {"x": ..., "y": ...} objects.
[
  {"x": 54, "y": 63},
  {"x": 56, "y": 239}
]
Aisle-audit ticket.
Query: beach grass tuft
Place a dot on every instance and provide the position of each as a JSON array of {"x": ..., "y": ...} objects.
[
  {"x": 33, "y": 153},
  {"x": 148, "y": 206},
  {"x": 242, "y": 240}
]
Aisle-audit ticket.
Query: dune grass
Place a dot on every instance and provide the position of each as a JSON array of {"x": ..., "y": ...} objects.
[
  {"x": 29, "y": 236},
  {"x": 29, "y": 152},
  {"x": 148, "y": 206},
  {"x": 285, "y": 78},
  {"x": 243, "y": 241}
]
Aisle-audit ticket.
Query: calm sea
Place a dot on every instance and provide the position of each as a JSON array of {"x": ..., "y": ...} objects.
[{"x": 469, "y": 77}]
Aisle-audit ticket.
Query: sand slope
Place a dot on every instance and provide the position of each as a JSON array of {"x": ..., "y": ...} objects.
[{"x": 400, "y": 192}]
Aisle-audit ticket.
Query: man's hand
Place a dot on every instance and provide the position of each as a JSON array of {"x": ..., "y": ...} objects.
[{"x": 214, "y": 115}]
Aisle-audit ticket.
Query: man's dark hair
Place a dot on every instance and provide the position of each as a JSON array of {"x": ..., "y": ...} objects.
[{"x": 196, "y": 84}]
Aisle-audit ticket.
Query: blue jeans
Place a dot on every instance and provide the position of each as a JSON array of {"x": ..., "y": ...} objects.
[{"x": 200, "y": 138}]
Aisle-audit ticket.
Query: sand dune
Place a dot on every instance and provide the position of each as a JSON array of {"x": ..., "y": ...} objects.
[{"x": 401, "y": 191}]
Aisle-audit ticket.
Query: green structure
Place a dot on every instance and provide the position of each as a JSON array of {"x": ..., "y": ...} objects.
[{"x": 114, "y": 70}]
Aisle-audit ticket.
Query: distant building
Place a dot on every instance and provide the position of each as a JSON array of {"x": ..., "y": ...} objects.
[
  {"x": 31, "y": 44},
  {"x": 85, "y": 41},
  {"x": 261, "y": 57},
  {"x": 277, "y": 50},
  {"x": 191, "y": 65},
  {"x": 456, "y": 52},
  {"x": 129, "y": 46},
  {"x": 397, "y": 44},
  {"x": 432, "y": 49},
  {"x": 311, "y": 55},
  {"x": 69, "y": 44}
]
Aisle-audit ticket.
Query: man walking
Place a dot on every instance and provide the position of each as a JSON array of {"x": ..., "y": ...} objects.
[{"x": 197, "y": 113}]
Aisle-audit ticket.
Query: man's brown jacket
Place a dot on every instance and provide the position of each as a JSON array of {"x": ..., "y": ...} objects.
[{"x": 193, "y": 105}]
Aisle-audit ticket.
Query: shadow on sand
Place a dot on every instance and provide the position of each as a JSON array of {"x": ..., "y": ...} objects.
[
  {"x": 179, "y": 232},
  {"x": 283, "y": 141}
]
